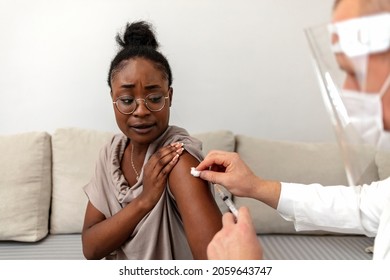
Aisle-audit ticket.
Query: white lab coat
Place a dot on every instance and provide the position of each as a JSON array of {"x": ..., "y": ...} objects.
[{"x": 358, "y": 210}]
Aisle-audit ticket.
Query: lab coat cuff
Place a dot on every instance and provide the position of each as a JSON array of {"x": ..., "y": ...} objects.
[{"x": 286, "y": 201}]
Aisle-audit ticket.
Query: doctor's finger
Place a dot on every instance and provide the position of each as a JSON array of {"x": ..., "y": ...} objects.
[
  {"x": 215, "y": 158},
  {"x": 228, "y": 219}
]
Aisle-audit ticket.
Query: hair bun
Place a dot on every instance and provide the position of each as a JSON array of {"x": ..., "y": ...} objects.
[{"x": 138, "y": 34}]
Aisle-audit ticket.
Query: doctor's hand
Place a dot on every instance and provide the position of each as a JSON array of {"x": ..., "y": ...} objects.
[
  {"x": 235, "y": 241},
  {"x": 230, "y": 171}
]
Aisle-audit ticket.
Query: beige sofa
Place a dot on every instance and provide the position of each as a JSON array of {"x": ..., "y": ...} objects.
[{"x": 42, "y": 202}]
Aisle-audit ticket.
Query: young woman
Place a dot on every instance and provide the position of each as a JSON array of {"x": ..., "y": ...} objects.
[{"x": 143, "y": 201}]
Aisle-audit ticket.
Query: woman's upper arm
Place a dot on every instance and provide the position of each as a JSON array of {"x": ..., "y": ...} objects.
[{"x": 199, "y": 211}]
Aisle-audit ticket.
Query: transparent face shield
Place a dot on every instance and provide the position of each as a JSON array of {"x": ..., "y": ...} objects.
[{"x": 351, "y": 87}]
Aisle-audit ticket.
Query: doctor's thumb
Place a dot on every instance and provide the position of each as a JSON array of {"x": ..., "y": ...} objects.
[{"x": 211, "y": 176}]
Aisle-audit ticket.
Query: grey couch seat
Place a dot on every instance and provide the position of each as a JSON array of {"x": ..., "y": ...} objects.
[{"x": 276, "y": 247}]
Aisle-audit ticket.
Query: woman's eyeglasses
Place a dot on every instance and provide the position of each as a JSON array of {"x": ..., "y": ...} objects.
[{"x": 128, "y": 104}]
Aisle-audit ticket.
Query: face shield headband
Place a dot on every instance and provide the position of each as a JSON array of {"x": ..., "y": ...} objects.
[
  {"x": 357, "y": 38},
  {"x": 361, "y": 36},
  {"x": 335, "y": 48}
]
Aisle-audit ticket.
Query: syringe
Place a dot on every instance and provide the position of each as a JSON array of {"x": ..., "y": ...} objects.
[{"x": 229, "y": 203}]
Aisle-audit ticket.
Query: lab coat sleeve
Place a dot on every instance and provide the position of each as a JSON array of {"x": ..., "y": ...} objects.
[{"x": 342, "y": 209}]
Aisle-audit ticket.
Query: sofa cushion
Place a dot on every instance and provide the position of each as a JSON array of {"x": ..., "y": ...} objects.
[
  {"x": 25, "y": 186},
  {"x": 290, "y": 162},
  {"x": 382, "y": 160},
  {"x": 75, "y": 152},
  {"x": 216, "y": 140}
]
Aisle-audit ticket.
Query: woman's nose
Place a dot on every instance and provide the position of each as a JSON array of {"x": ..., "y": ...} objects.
[{"x": 141, "y": 108}]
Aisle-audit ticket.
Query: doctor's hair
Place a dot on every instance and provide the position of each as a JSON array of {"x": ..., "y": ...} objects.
[
  {"x": 369, "y": 7},
  {"x": 138, "y": 41}
]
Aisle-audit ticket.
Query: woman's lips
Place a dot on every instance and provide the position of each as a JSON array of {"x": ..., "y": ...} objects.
[{"x": 142, "y": 128}]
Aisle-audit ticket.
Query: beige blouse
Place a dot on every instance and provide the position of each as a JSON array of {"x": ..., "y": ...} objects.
[{"x": 160, "y": 234}]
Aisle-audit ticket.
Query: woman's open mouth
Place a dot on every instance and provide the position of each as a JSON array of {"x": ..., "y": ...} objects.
[{"x": 142, "y": 128}]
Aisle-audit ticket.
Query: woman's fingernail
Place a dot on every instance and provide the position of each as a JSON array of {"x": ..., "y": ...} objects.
[
  {"x": 175, "y": 158},
  {"x": 180, "y": 151}
]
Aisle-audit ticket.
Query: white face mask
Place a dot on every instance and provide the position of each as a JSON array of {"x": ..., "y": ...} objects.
[{"x": 366, "y": 116}]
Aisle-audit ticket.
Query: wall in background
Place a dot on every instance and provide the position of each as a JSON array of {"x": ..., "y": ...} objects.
[{"x": 238, "y": 65}]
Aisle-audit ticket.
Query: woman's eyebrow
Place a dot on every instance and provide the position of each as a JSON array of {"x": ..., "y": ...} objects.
[
  {"x": 152, "y": 87},
  {"x": 127, "y": 86},
  {"x": 147, "y": 87}
]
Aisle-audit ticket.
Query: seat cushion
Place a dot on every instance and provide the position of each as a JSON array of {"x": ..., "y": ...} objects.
[
  {"x": 25, "y": 186},
  {"x": 52, "y": 247},
  {"x": 314, "y": 247}
]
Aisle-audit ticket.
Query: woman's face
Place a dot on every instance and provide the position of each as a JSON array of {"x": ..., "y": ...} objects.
[{"x": 137, "y": 79}]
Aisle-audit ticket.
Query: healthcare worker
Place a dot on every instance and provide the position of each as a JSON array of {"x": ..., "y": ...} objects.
[{"x": 352, "y": 61}]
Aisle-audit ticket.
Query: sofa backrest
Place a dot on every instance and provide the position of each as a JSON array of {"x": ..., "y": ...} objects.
[
  {"x": 42, "y": 176},
  {"x": 382, "y": 161},
  {"x": 75, "y": 152},
  {"x": 291, "y": 162}
]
